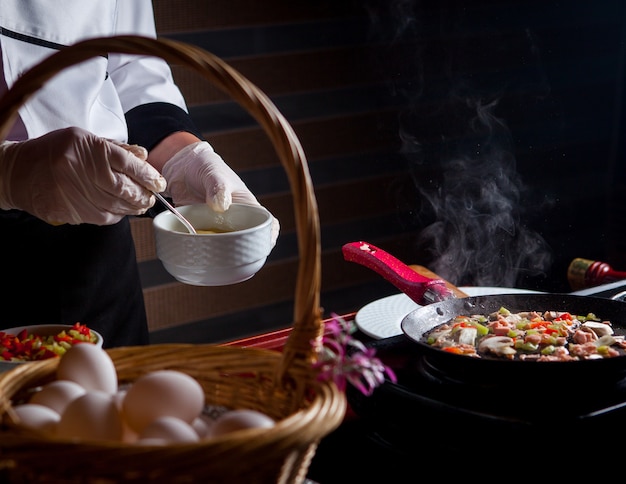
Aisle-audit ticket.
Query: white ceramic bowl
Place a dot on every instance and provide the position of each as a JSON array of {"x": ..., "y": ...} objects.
[
  {"x": 41, "y": 330},
  {"x": 230, "y": 256}
]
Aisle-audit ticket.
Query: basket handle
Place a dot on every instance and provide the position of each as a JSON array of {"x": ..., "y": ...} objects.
[{"x": 307, "y": 324}]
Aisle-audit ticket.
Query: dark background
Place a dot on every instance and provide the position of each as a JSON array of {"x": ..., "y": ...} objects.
[
  {"x": 513, "y": 132},
  {"x": 481, "y": 139}
]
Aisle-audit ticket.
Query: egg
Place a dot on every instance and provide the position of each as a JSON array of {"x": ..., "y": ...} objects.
[
  {"x": 239, "y": 420},
  {"x": 118, "y": 398},
  {"x": 92, "y": 416},
  {"x": 202, "y": 425},
  {"x": 128, "y": 434},
  {"x": 159, "y": 394},
  {"x": 57, "y": 394},
  {"x": 169, "y": 429},
  {"x": 37, "y": 417},
  {"x": 89, "y": 366}
]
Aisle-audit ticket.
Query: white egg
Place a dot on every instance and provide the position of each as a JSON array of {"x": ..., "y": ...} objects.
[
  {"x": 37, "y": 417},
  {"x": 162, "y": 393},
  {"x": 128, "y": 434},
  {"x": 170, "y": 429},
  {"x": 57, "y": 394},
  {"x": 89, "y": 366},
  {"x": 92, "y": 416},
  {"x": 202, "y": 425},
  {"x": 239, "y": 420},
  {"x": 119, "y": 398}
]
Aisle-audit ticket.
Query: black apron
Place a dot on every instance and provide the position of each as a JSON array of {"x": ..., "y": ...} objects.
[{"x": 72, "y": 273}]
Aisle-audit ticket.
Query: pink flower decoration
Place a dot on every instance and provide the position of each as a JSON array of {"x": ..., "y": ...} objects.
[{"x": 344, "y": 359}]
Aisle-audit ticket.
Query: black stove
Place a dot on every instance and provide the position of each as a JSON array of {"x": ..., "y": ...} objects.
[
  {"x": 427, "y": 400},
  {"x": 427, "y": 419}
]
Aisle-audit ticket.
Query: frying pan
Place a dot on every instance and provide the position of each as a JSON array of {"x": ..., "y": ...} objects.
[{"x": 498, "y": 372}]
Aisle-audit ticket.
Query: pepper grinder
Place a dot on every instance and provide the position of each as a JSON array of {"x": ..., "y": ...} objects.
[{"x": 583, "y": 273}]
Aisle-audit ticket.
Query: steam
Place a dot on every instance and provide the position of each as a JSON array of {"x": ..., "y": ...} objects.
[{"x": 471, "y": 198}]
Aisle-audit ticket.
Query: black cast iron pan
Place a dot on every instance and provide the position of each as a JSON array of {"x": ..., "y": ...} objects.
[
  {"x": 495, "y": 370},
  {"x": 489, "y": 372}
]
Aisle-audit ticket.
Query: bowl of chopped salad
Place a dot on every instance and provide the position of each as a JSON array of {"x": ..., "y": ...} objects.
[{"x": 42, "y": 341}]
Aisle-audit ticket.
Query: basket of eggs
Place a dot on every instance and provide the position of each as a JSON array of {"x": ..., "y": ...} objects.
[{"x": 286, "y": 409}]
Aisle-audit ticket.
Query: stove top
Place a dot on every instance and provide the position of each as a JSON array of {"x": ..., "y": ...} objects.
[
  {"x": 427, "y": 426},
  {"x": 425, "y": 402},
  {"x": 422, "y": 396}
]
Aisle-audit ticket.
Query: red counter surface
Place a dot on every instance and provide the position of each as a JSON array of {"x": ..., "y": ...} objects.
[{"x": 274, "y": 340}]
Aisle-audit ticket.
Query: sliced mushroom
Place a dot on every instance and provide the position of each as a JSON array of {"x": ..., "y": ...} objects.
[
  {"x": 498, "y": 345},
  {"x": 601, "y": 329}
]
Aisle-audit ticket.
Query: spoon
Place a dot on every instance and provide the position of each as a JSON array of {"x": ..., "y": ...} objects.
[{"x": 179, "y": 215}]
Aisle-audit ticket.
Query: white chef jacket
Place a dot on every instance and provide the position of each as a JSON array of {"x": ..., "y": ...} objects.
[
  {"x": 86, "y": 273},
  {"x": 96, "y": 94}
]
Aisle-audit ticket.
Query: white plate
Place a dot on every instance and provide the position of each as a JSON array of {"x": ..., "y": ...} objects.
[{"x": 381, "y": 318}]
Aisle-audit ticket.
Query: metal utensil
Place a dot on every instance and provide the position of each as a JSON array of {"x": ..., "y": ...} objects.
[{"x": 179, "y": 215}]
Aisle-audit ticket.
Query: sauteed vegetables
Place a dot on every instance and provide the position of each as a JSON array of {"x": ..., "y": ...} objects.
[
  {"x": 528, "y": 335},
  {"x": 26, "y": 346}
]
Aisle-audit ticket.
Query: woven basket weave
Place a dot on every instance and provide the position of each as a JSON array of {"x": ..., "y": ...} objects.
[{"x": 280, "y": 384}]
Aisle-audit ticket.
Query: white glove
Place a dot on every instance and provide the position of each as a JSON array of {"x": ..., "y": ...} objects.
[
  {"x": 197, "y": 174},
  {"x": 73, "y": 176}
]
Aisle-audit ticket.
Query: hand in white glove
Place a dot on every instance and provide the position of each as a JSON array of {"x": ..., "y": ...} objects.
[
  {"x": 73, "y": 176},
  {"x": 197, "y": 174}
]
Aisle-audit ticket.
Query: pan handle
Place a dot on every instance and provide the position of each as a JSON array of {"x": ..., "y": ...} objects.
[{"x": 421, "y": 289}]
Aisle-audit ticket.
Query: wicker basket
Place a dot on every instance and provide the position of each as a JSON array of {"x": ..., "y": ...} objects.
[{"x": 280, "y": 384}]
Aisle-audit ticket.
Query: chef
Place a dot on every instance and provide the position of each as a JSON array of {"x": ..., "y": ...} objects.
[{"x": 71, "y": 173}]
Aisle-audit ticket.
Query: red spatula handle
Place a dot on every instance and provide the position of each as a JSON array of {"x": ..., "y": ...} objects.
[{"x": 421, "y": 289}]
